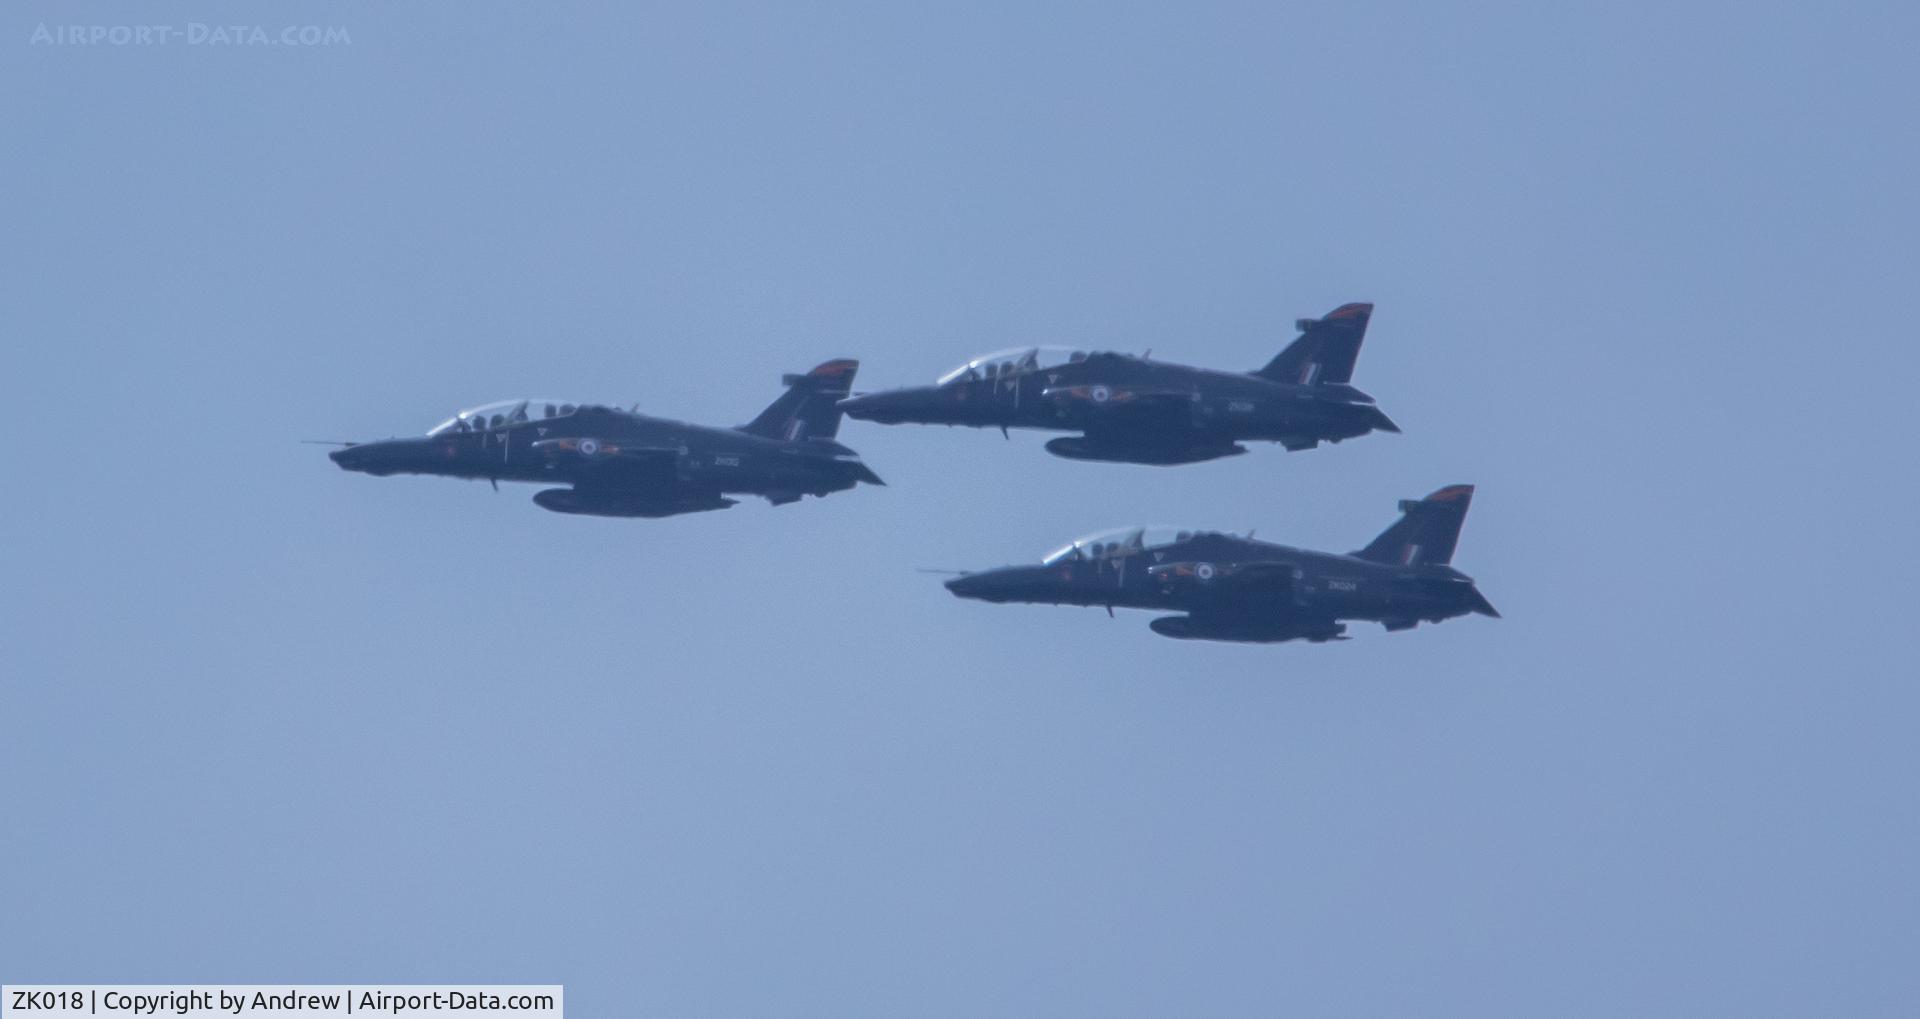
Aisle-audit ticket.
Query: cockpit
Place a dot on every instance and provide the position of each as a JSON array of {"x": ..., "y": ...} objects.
[
  {"x": 1018, "y": 361},
  {"x": 1119, "y": 543},
  {"x": 502, "y": 414}
]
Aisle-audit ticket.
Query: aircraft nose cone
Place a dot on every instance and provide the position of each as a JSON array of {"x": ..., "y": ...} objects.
[
  {"x": 890, "y": 406},
  {"x": 1006, "y": 584},
  {"x": 860, "y": 408},
  {"x": 387, "y": 456}
]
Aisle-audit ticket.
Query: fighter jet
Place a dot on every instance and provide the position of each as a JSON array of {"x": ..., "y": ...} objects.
[
  {"x": 1135, "y": 410},
  {"x": 624, "y": 464},
  {"x": 1234, "y": 588}
]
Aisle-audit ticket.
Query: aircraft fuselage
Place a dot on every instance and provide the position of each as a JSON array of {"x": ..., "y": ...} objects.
[
  {"x": 1300, "y": 593},
  {"x": 624, "y": 464},
  {"x": 1134, "y": 410}
]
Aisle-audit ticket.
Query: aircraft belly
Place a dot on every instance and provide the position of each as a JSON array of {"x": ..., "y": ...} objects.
[
  {"x": 1282, "y": 426},
  {"x": 543, "y": 472}
]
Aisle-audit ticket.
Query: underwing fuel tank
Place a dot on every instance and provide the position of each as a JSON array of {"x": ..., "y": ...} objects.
[
  {"x": 598, "y": 504},
  {"x": 1189, "y": 628},
  {"x": 1080, "y": 448}
]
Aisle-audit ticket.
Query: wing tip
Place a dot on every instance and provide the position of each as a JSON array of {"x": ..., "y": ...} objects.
[{"x": 837, "y": 367}]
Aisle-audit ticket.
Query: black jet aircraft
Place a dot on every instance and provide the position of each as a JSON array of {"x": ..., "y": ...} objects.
[
  {"x": 623, "y": 464},
  {"x": 1134, "y": 410},
  {"x": 1238, "y": 589}
]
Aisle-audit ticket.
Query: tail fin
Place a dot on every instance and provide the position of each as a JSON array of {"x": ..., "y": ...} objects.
[
  {"x": 810, "y": 408},
  {"x": 1427, "y": 531},
  {"x": 1326, "y": 349}
]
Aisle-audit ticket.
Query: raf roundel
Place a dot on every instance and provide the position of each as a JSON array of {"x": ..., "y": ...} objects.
[
  {"x": 1100, "y": 394},
  {"x": 589, "y": 447},
  {"x": 1204, "y": 571}
]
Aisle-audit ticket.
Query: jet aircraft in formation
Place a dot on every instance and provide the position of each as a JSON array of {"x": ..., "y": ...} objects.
[
  {"x": 1134, "y": 410},
  {"x": 608, "y": 462},
  {"x": 618, "y": 463},
  {"x": 1234, "y": 588}
]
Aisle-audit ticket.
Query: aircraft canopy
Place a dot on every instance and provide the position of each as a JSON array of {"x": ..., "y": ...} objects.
[
  {"x": 1119, "y": 542},
  {"x": 1017, "y": 361},
  {"x": 502, "y": 413}
]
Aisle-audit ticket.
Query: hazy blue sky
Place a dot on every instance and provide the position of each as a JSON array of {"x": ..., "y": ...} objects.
[{"x": 1645, "y": 275}]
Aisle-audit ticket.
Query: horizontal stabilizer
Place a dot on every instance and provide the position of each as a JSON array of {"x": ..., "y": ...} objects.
[{"x": 1342, "y": 391}]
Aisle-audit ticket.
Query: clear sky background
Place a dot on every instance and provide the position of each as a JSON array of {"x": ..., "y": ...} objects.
[{"x": 1644, "y": 275}]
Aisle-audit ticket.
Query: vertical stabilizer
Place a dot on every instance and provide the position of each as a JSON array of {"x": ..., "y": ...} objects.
[
  {"x": 1427, "y": 531},
  {"x": 810, "y": 408},
  {"x": 1326, "y": 350}
]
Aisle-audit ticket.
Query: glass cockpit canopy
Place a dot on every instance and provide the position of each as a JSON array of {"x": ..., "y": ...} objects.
[
  {"x": 1118, "y": 542},
  {"x": 1017, "y": 361},
  {"x": 502, "y": 413}
]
